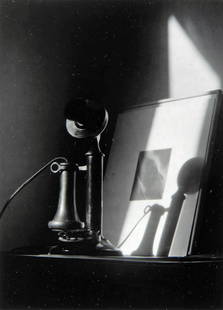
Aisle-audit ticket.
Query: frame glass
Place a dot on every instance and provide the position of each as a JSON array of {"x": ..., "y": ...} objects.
[{"x": 157, "y": 172}]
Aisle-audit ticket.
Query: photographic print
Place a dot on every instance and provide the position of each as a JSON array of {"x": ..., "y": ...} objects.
[{"x": 150, "y": 177}]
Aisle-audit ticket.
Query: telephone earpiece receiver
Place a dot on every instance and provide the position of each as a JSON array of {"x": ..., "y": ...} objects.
[{"x": 85, "y": 118}]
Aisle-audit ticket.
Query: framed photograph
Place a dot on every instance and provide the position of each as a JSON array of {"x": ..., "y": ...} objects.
[{"x": 156, "y": 174}]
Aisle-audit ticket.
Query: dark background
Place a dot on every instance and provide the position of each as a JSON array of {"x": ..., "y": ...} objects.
[{"x": 52, "y": 50}]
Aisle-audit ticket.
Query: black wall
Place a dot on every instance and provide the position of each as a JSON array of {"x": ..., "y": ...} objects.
[{"x": 50, "y": 50}]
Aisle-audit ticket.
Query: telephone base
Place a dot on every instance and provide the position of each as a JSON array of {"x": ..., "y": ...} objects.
[{"x": 91, "y": 246}]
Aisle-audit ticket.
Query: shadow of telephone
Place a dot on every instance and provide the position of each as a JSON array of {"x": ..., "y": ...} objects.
[
  {"x": 188, "y": 182},
  {"x": 85, "y": 121}
]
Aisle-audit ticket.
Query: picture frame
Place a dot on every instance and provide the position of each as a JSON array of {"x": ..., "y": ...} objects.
[{"x": 157, "y": 172}]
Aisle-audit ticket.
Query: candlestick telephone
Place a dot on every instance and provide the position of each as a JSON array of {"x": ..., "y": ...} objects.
[{"x": 85, "y": 121}]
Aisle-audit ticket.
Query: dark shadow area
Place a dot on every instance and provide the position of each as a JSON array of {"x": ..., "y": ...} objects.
[
  {"x": 208, "y": 237},
  {"x": 52, "y": 283}
]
